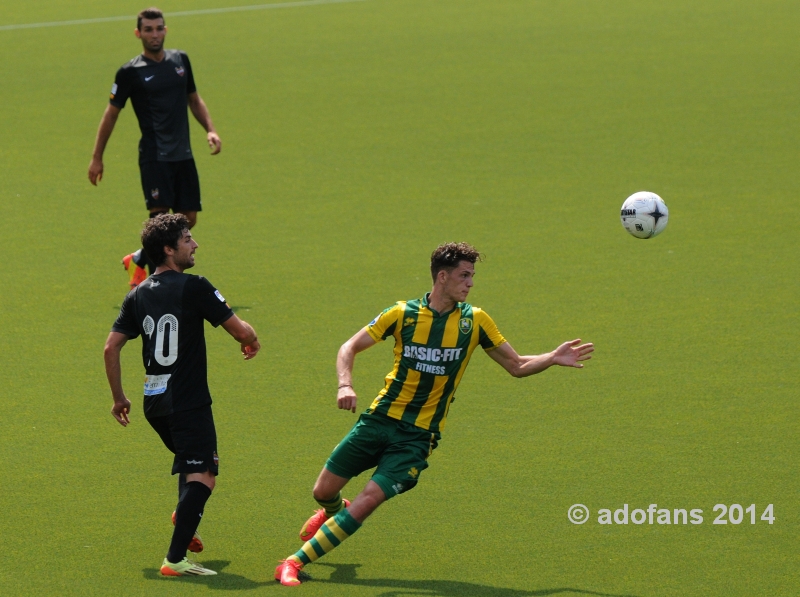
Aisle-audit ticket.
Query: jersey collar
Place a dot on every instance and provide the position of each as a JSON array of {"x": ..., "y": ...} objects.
[{"x": 427, "y": 305}]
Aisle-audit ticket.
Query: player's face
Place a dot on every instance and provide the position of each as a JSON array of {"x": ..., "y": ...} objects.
[
  {"x": 152, "y": 34},
  {"x": 184, "y": 256},
  {"x": 458, "y": 282}
]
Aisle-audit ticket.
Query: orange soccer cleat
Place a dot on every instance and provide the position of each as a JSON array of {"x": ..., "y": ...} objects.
[
  {"x": 312, "y": 525},
  {"x": 136, "y": 272},
  {"x": 196, "y": 544},
  {"x": 287, "y": 572}
]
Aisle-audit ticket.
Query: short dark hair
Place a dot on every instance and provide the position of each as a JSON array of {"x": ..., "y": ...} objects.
[
  {"x": 165, "y": 230},
  {"x": 151, "y": 13},
  {"x": 448, "y": 255}
]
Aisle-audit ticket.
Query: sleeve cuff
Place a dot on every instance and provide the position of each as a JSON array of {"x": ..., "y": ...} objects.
[{"x": 373, "y": 334}]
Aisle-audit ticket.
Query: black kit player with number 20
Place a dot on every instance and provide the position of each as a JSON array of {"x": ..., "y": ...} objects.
[{"x": 168, "y": 311}]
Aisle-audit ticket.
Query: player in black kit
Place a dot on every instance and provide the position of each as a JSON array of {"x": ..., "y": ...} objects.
[
  {"x": 168, "y": 310},
  {"x": 160, "y": 84}
]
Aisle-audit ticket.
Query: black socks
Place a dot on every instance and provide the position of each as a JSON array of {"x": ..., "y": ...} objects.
[{"x": 188, "y": 515}]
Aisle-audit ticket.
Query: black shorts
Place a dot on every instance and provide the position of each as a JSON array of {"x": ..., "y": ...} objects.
[
  {"x": 171, "y": 185},
  {"x": 192, "y": 437}
]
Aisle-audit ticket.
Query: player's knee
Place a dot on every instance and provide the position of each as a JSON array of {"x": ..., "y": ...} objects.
[
  {"x": 191, "y": 216},
  {"x": 207, "y": 478},
  {"x": 322, "y": 493}
]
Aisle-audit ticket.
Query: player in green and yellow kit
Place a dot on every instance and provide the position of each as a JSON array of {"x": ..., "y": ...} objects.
[{"x": 434, "y": 340}]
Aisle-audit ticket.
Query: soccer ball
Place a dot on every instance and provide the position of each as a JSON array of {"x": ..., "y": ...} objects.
[{"x": 644, "y": 214}]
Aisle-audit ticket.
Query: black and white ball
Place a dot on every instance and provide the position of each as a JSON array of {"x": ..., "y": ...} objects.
[{"x": 644, "y": 214}]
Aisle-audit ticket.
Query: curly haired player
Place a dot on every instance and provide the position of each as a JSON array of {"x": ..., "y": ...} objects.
[{"x": 168, "y": 311}]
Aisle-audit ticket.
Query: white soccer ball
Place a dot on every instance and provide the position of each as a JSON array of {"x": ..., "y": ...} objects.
[{"x": 644, "y": 214}]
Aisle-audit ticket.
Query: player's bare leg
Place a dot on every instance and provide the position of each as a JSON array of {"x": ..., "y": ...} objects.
[
  {"x": 191, "y": 216},
  {"x": 328, "y": 485},
  {"x": 367, "y": 501}
]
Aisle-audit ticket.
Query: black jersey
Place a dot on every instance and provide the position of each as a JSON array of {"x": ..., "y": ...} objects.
[
  {"x": 168, "y": 310},
  {"x": 158, "y": 92}
]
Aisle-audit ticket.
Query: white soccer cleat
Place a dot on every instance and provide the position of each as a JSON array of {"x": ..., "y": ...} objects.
[{"x": 184, "y": 568}]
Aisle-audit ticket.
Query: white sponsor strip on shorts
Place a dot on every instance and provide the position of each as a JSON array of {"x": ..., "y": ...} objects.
[{"x": 184, "y": 13}]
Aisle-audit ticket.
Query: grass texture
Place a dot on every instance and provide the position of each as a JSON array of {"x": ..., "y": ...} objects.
[{"x": 356, "y": 137}]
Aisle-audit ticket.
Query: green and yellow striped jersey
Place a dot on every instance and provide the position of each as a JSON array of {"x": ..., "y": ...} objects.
[{"x": 431, "y": 353}]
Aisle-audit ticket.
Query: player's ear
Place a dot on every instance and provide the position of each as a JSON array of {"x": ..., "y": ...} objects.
[{"x": 137, "y": 33}]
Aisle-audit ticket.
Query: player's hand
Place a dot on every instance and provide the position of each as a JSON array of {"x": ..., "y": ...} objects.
[
  {"x": 250, "y": 350},
  {"x": 120, "y": 411},
  {"x": 214, "y": 142},
  {"x": 346, "y": 399},
  {"x": 571, "y": 353},
  {"x": 95, "y": 171}
]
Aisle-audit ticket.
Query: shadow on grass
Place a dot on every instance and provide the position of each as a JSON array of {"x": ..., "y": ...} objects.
[
  {"x": 345, "y": 574},
  {"x": 222, "y": 582}
]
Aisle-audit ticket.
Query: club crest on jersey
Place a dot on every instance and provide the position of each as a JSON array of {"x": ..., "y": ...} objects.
[
  {"x": 409, "y": 321},
  {"x": 216, "y": 459},
  {"x": 465, "y": 325},
  {"x": 179, "y": 70},
  {"x": 154, "y": 194}
]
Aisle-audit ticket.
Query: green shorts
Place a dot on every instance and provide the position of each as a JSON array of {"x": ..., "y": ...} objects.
[{"x": 399, "y": 451}]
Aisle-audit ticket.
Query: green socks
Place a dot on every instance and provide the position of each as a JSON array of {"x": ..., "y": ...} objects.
[
  {"x": 335, "y": 530},
  {"x": 333, "y": 506}
]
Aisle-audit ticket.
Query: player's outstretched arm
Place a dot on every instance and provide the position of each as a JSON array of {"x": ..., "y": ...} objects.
[
  {"x": 244, "y": 334},
  {"x": 569, "y": 354},
  {"x": 104, "y": 131},
  {"x": 346, "y": 396},
  {"x": 113, "y": 348},
  {"x": 201, "y": 113}
]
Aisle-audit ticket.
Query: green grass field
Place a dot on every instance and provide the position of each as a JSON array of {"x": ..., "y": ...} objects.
[{"x": 356, "y": 137}]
